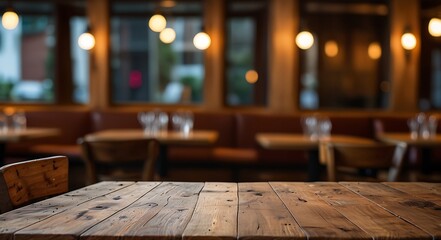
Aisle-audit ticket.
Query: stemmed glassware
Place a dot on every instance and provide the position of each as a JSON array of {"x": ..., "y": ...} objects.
[
  {"x": 153, "y": 122},
  {"x": 183, "y": 121},
  {"x": 12, "y": 120},
  {"x": 421, "y": 126},
  {"x": 315, "y": 127}
]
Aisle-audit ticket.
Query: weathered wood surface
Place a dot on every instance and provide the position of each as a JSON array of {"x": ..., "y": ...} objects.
[
  {"x": 427, "y": 191},
  {"x": 263, "y": 215},
  {"x": 215, "y": 216},
  {"x": 275, "y": 210},
  {"x": 375, "y": 221},
  {"x": 78, "y": 219},
  {"x": 21, "y": 218},
  {"x": 162, "y": 213},
  {"x": 323, "y": 221},
  {"x": 424, "y": 214}
]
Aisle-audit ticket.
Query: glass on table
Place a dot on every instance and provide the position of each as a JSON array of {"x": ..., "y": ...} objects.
[
  {"x": 433, "y": 125},
  {"x": 413, "y": 127},
  {"x": 183, "y": 121},
  {"x": 19, "y": 120}
]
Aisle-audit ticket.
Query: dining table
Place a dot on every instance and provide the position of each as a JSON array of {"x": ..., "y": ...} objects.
[
  {"x": 294, "y": 141},
  {"x": 165, "y": 139},
  {"x": 229, "y": 210},
  {"x": 21, "y": 135},
  {"x": 426, "y": 145}
]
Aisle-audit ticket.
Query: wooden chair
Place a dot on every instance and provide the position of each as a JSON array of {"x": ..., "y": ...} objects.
[
  {"x": 29, "y": 181},
  {"x": 344, "y": 156},
  {"x": 119, "y": 159}
]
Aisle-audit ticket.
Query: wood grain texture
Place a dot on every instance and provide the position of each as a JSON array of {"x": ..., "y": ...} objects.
[
  {"x": 317, "y": 218},
  {"x": 262, "y": 215},
  {"x": 162, "y": 213},
  {"x": 15, "y": 220},
  {"x": 424, "y": 214},
  {"x": 426, "y": 191},
  {"x": 377, "y": 222},
  {"x": 32, "y": 180},
  {"x": 78, "y": 219},
  {"x": 215, "y": 216}
]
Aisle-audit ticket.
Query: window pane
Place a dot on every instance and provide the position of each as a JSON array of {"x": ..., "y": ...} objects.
[
  {"x": 144, "y": 69},
  {"x": 27, "y": 57},
  {"x": 246, "y": 65},
  {"x": 80, "y": 61},
  {"x": 346, "y": 67}
]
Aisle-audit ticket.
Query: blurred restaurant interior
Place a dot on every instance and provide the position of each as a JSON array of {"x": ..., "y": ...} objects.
[{"x": 240, "y": 67}]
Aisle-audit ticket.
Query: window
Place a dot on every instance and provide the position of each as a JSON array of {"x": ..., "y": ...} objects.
[
  {"x": 28, "y": 55},
  {"x": 430, "y": 61},
  {"x": 246, "y": 53},
  {"x": 41, "y": 61},
  {"x": 347, "y": 65},
  {"x": 146, "y": 70}
]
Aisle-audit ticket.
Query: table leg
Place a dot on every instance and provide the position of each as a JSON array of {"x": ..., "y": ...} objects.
[
  {"x": 162, "y": 164},
  {"x": 313, "y": 165}
]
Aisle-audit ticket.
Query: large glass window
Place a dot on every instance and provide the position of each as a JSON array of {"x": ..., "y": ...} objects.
[
  {"x": 27, "y": 55},
  {"x": 144, "y": 68},
  {"x": 79, "y": 62},
  {"x": 430, "y": 65},
  {"x": 246, "y": 53},
  {"x": 347, "y": 65}
]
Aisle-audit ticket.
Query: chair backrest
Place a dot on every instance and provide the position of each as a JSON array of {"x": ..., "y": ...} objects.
[
  {"x": 119, "y": 159},
  {"x": 25, "y": 182},
  {"x": 363, "y": 156}
]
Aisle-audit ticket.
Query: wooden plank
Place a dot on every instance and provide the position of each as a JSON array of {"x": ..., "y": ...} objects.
[
  {"x": 263, "y": 215},
  {"x": 422, "y": 213},
  {"x": 78, "y": 219},
  {"x": 215, "y": 216},
  {"x": 162, "y": 213},
  {"x": 424, "y": 191},
  {"x": 374, "y": 220},
  {"x": 15, "y": 220},
  {"x": 317, "y": 218}
]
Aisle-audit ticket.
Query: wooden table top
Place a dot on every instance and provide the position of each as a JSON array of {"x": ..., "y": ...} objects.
[
  {"x": 196, "y": 137},
  {"x": 406, "y": 138},
  {"x": 264, "y": 210},
  {"x": 299, "y": 141},
  {"x": 28, "y": 133}
]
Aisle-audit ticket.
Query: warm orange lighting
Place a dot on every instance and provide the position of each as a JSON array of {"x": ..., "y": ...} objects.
[
  {"x": 304, "y": 40},
  {"x": 167, "y": 35},
  {"x": 202, "y": 41},
  {"x": 331, "y": 48},
  {"x": 251, "y": 76},
  {"x": 157, "y": 23},
  {"x": 408, "y": 41},
  {"x": 86, "y": 41},
  {"x": 9, "y": 111},
  {"x": 374, "y": 50},
  {"x": 10, "y": 20},
  {"x": 435, "y": 27},
  {"x": 167, "y": 3}
]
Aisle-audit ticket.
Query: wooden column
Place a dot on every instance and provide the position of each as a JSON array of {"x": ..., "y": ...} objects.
[
  {"x": 214, "y": 17},
  {"x": 283, "y": 73},
  {"x": 99, "y": 18},
  {"x": 404, "y": 64}
]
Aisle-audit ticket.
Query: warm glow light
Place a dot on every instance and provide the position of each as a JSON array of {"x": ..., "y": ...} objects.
[
  {"x": 435, "y": 27},
  {"x": 86, "y": 41},
  {"x": 408, "y": 41},
  {"x": 167, "y": 3},
  {"x": 374, "y": 50},
  {"x": 10, "y": 20},
  {"x": 304, "y": 40},
  {"x": 167, "y": 35},
  {"x": 251, "y": 76},
  {"x": 202, "y": 41},
  {"x": 157, "y": 23},
  {"x": 331, "y": 48},
  {"x": 9, "y": 111}
]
